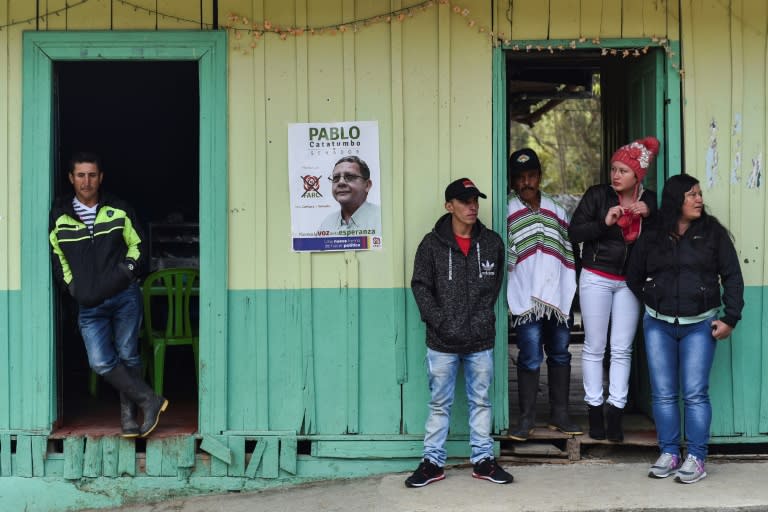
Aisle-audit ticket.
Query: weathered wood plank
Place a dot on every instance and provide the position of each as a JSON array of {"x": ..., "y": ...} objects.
[
  {"x": 5, "y": 454},
  {"x": 591, "y": 14},
  {"x": 179, "y": 15},
  {"x": 125, "y": 17},
  {"x": 237, "y": 449},
  {"x": 154, "y": 461},
  {"x": 655, "y": 17},
  {"x": 185, "y": 462},
  {"x": 565, "y": 16},
  {"x": 92, "y": 15},
  {"x": 256, "y": 458},
  {"x": 73, "y": 457},
  {"x": 93, "y": 457},
  {"x": 632, "y": 19},
  {"x": 187, "y": 452},
  {"x": 530, "y": 20},
  {"x": 288, "y": 451},
  {"x": 270, "y": 459},
  {"x": 24, "y": 455},
  {"x": 126, "y": 459},
  {"x": 39, "y": 450},
  {"x": 221, "y": 455},
  {"x": 216, "y": 446},
  {"x": 170, "y": 460},
  {"x": 110, "y": 456}
]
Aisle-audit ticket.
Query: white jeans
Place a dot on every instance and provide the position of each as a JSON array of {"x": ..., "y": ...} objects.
[{"x": 602, "y": 300}]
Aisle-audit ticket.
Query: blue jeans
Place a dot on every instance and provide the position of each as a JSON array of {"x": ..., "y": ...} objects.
[
  {"x": 442, "y": 368},
  {"x": 533, "y": 337},
  {"x": 679, "y": 360},
  {"x": 111, "y": 331}
]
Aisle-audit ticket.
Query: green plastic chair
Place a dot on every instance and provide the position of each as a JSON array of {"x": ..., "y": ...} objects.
[{"x": 174, "y": 288}]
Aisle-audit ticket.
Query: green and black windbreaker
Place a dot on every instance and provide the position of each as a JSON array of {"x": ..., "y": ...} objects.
[{"x": 88, "y": 265}]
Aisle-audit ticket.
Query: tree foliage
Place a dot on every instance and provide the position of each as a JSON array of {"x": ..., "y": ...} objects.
[{"x": 568, "y": 140}]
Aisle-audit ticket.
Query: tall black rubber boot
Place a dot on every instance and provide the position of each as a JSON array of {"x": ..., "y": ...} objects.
[
  {"x": 596, "y": 422},
  {"x": 613, "y": 423},
  {"x": 527, "y": 388},
  {"x": 141, "y": 394},
  {"x": 129, "y": 409},
  {"x": 559, "y": 385}
]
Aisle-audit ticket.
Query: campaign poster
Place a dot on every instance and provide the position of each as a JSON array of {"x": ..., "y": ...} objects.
[{"x": 335, "y": 186}]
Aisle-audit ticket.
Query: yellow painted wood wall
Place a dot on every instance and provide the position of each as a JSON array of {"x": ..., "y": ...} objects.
[{"x": 427, "y": 80}]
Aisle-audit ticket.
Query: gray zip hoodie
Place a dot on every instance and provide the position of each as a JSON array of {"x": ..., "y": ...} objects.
[{"x": 456, "y": 294}]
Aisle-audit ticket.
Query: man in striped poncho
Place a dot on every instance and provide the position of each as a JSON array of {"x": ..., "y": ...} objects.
[{"x": 540, "y": 288}]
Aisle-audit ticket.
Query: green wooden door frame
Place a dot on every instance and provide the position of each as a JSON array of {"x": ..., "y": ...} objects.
[
  {"x": 499, "y": 180},
  {"x": 41, "y": 50}
]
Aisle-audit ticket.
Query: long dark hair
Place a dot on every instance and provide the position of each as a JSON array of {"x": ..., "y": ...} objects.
[{"x": 672, "y": 199}]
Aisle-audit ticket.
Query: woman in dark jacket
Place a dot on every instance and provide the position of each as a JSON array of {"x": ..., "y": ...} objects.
[
  {"x": 607, "y": 222},
  {"x": 676, "y": 269}
]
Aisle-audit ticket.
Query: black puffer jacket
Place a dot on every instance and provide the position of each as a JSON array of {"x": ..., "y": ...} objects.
[
  {"x": 683, "y": 277},
  {"x": 456, "y": 294},
  {"x": 604, "y": 246}
]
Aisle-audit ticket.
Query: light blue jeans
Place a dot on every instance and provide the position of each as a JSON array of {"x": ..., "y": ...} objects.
[
  {"x": 111, "y": 331},
  {"x": 679, "y": 360},
  {"x": 603, "y": 300},
  {"x": 442, "y": 368}
]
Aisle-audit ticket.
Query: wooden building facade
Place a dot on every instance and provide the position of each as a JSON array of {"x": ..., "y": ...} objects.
[{"x": 311, "y": 365}]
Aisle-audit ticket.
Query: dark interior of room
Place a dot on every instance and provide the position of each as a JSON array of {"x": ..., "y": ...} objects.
[{"x": 142, "y": 119}]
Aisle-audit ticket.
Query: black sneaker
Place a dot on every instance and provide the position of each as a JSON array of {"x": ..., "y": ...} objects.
[
  {"x": 488, "y": 469},
  {"x": 425, "y": 474}
]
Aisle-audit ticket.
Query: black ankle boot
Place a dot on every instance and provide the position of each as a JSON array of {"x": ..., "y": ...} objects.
[
  {"x": 596, "y": 422},
  {"x": 614, "y": 431}
]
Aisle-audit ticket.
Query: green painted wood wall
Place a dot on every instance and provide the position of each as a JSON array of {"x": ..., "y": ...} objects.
[{"x": 332, "y": 343}]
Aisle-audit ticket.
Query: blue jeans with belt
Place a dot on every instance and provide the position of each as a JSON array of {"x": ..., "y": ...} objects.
[
  {"x": 111, "y": 331},
  {"x": 442, "y": 368},
  {"x": 679, "y": 362}
]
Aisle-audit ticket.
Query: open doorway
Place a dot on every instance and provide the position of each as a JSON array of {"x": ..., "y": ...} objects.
[
  {"x": 142, "y": 118},
  {"x": 575, "y": 108}
]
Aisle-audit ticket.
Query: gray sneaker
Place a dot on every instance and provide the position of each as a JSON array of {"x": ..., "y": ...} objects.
[
  {"x": 666, "y": 465},
  {"x": 691, "y": 471}
]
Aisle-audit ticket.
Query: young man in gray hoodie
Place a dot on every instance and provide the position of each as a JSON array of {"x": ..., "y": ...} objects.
[{"x": 457, "y": 276}]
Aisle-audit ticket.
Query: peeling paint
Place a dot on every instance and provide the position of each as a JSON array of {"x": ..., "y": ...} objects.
[
  {"x": 712, "y": 157},
  {"x": 755, "y": 177},
  {"x": 736, "y": 136}
]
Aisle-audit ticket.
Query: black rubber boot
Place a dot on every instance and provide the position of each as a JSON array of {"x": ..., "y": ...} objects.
[
  {"x": 141, "y": 394},
  {"x": 128, "y": 409},
  {"x": 596, "y": 422},
  {"x": 559, "y": 385},
  {"x": 527, "y": 388},
  {"x": 613, "y": 419}
]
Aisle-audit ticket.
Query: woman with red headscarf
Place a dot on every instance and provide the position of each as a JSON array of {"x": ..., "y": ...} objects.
[{"x": 607, "y": 222}]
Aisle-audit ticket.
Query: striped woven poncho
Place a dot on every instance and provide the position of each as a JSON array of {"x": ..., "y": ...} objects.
[{"x": 540, "y": 265}]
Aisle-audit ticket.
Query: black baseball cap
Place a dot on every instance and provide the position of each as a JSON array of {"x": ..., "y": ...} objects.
[
  {"x": 523, "y": 160},
  {"x": 463, "y": 188}
]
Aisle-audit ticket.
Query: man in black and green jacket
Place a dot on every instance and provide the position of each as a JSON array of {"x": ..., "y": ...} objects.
[{"x": 97, "y": 250}]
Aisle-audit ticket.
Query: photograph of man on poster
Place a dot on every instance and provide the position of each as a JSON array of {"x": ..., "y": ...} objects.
[{"x": 350, "y": 184}]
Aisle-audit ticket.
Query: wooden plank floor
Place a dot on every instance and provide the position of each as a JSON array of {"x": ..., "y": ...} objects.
[
  {"x": 98, "y": 416},
  {"x": 639, "y": 428}
]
